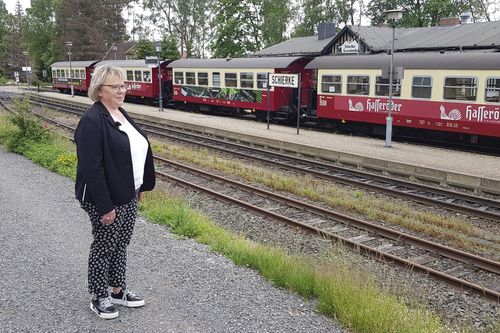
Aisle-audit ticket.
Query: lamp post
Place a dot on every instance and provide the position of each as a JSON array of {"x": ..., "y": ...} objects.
[
  {"x": 392, "y": 15},
  {"x": 158, "y": 50},
  {"x": 69, "y": 45},
  {"x": 25, "y": 53}
]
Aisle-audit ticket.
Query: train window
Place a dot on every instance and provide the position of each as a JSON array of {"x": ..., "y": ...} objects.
[
  {"x": 72, "y": 74},
  {"x": 231, "y": 80},
  {"x": 262, "y": 80},
  {"x": 66, "y": 72},
  {"x": 331, "y": 84},
  {"x": 216, "y": 79},
  {"x": 382, "y": 86},
  {"x": 82, "y": 73},
  {"x": 246, "y": 80},
  {"x": 358, "y": 84},
  {"x": 179, "y": 77},
  {"x": 138, "y": 75},
  {"x": 58, "y": 71},
  {"x": 54, "y": 73},
  {"x": 492, "y": 90},
  {"x": 130, "y": 75},
  {"x": 203, "y": 79},
  {"x": 460, "y": 88},
  {"x": 421, "y": 87},
  {"x": 63, "y": 73},
  {"x": 146, "y": 75},
  {"x": 191, "y": 78}
]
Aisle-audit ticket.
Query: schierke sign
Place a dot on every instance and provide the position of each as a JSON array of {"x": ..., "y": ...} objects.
[{"x": 284, "y": 80}]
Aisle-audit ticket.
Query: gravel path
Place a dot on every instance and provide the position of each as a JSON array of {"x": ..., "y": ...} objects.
[{"x": 45, "y": 238}]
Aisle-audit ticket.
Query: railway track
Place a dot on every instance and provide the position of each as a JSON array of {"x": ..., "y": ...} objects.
[
  {"x": 426, "y": 194},
  {"x": 458, "y": 268}
]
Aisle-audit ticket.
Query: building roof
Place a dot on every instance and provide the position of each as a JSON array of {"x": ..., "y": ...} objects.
[
  {"x": 271, "y": 62},
  {"x": 462, "y": 61},
  {"x": 479, "y": 35},
  {"x": 123, "y": 51},
  {"x": 73, "y": 63},
  {"x": 132, "y": 63},
  {"x": 297, "y": 46}
]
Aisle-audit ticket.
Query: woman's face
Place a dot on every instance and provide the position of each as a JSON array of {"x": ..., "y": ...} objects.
[{"x": 112, "y": 92}]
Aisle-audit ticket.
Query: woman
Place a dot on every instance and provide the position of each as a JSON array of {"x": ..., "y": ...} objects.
[{"x": 115, "y": 167}]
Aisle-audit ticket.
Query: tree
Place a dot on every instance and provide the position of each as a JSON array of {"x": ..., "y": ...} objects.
[
  {"x": 6, "y": 30},
  {"x": 39, "y": 34},
  {"x": 237, "y": 28},
  {"x": 276, "y": 16},
  {"x": 91, "y": 25},
  {"x": 188, "y": 21},
  {"x": 315, "y": 11},
  {"x": 144, "y": 48}
]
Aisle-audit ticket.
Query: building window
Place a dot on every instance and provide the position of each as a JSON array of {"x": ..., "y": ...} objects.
[
  {"x": 246, "y": 80},
  {"x": 382, "y": 86},
  {"x": 191, "y": 78},
  {"x": 331, "y": 84},
  {"x": 460, "y": 88},
  {"x": 146, "y": 75},
  {"x": 358, "y": 84},
  {"x": 492, "y": 93},
  {"x": 138, "y": 76},
  {"x": 203, "y": 79},
  {"x": 421, "y": 87},
  {"x": 130, "y": 75},
  {"x": 179, "y": 77},
  {"x": 262, "y": 80},
  {"x": 216, "y": 79},
  {"x": 231, "y": 79}
]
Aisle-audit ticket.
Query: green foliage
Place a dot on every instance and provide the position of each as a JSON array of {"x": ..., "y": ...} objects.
[
  {"x": 29, "y": 128},
  {"x": 144, "y": 48},
  {"x": 425, "y": 13},
  {"x": 276, "y": 15},
  {"x": 237, "y": 28}
]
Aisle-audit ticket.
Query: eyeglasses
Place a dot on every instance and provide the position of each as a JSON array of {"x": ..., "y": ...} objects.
[{"x": 116, "y": 87}]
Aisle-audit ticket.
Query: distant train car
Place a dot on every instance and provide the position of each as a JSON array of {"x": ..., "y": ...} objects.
[
  {"x": 142, "y": 79},
  {"x": 237, "y": 85},
  {"x": 456, "y": 96},
  {"x": 80, "y": 76}
]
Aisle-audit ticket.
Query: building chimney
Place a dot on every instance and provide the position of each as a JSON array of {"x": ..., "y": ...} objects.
[
  {"x": 449, "y": 21},
  {"x": 465, "y": 18},
  {"x": 326, "y": 30}
]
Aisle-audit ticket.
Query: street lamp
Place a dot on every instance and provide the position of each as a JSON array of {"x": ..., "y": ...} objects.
[
  {"x": 114, "y": 48},
  {"x": 69, "y": 45},
  {"x": 392, "y": 15},
  {"x": 25, "y": 53},
  {"x": 158, "y": 50}
]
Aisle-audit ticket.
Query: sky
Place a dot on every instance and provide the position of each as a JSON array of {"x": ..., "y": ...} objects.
[{"x": 11, "y": 5}]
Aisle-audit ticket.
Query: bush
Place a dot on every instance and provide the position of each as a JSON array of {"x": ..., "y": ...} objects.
[{"x": 30, "y": 129}]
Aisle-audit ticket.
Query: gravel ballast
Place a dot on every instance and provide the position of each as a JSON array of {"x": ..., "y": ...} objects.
[{"x": 45, "y": 239}]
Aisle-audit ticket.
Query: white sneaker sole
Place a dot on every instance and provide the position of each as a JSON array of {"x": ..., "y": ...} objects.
[
  {"x": 128, "y": 304},
  {"x": 103, "y": 315}
]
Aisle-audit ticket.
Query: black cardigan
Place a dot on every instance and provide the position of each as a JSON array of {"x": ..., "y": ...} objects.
[{"x": 104, "y": 173}]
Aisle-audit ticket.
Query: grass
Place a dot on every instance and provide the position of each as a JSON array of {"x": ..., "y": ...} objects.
[
  {"x": 453, "y": 230},
  {"x": 348, "y": 296}
]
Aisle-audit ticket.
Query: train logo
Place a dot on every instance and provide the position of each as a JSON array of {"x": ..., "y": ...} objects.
[
  {"x": 452, "y": 115},
  {"x": 358, "y": 107}
]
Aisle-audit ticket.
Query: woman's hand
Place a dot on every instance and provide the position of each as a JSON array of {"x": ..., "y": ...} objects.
[
  {"x": 140, "y": 196},
  {"x": 108, "y": 218}
]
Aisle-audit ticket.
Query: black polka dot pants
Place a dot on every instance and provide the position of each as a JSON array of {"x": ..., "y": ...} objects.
[{"x": 108, "y": 252}]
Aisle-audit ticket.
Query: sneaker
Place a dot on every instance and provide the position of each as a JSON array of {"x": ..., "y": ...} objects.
[
  {"x": 127, "y": 298},
  {"x": 103, "y": 308}
]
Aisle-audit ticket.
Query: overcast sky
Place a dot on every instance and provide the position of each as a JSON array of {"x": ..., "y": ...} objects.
[{"x": 11, "y": 5}]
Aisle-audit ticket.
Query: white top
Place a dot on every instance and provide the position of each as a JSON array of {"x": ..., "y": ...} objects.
[{"x": 138, "y": 150}]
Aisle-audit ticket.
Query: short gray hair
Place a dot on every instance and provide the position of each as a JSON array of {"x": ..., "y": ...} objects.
[{"x": 101, "y": 73}]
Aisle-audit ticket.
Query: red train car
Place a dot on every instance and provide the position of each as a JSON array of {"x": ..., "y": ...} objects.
[
  {"x": 237, "y": 85},
  {"x": 79, "y": 73},
  {"x": 456, "y": 95},
  {"x": 142, "y": 79}
]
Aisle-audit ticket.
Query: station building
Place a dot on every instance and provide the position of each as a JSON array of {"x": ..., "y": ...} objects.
[{"x": 450, "y": 36}]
